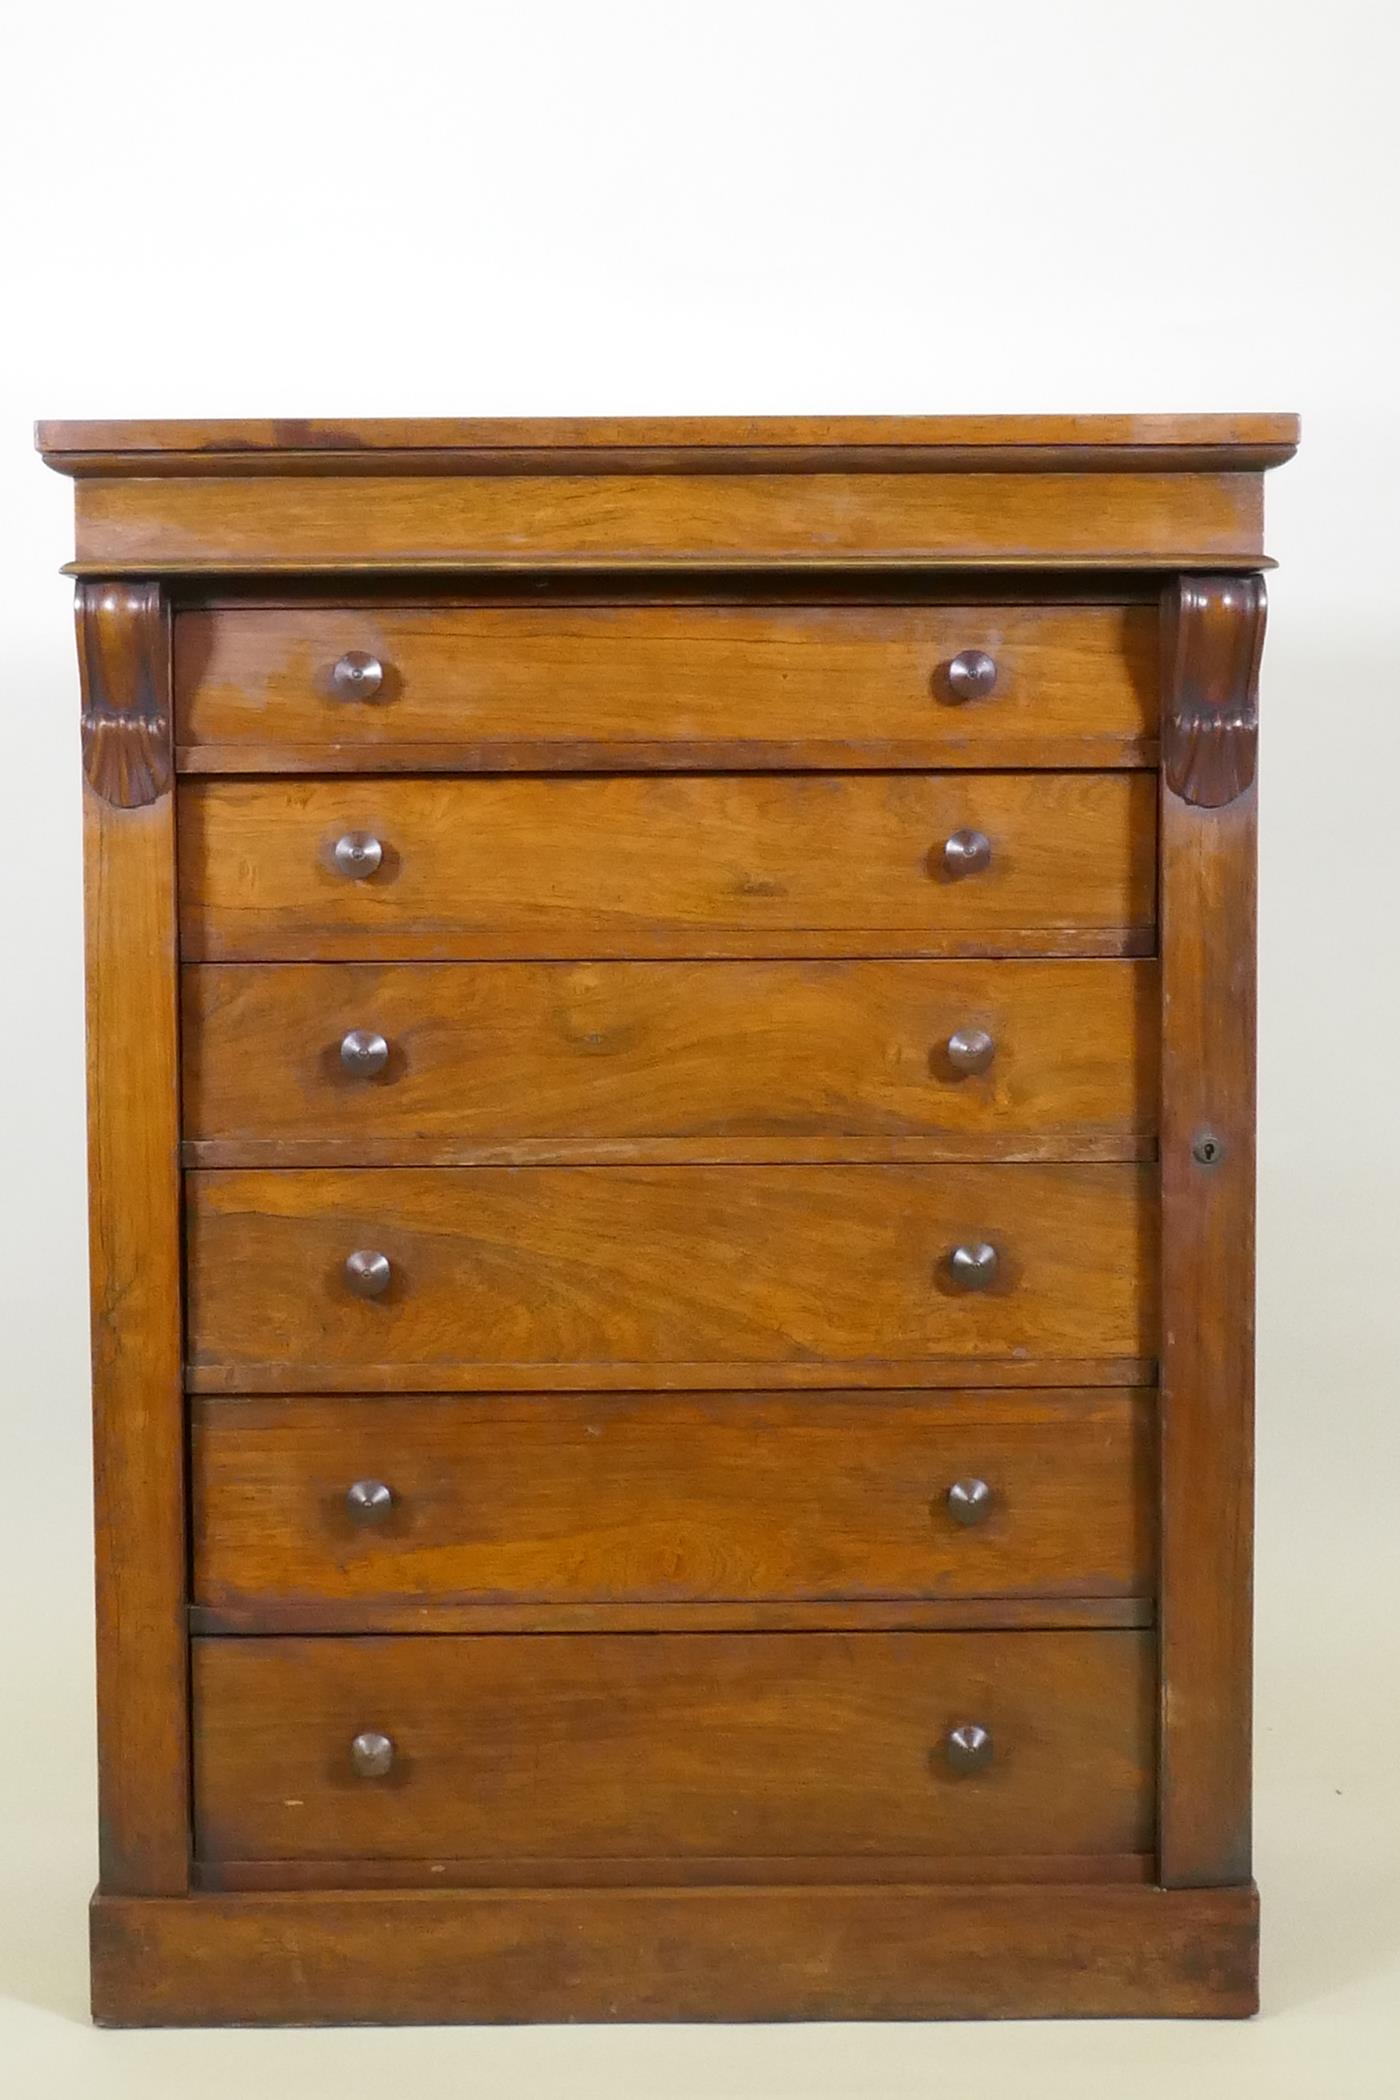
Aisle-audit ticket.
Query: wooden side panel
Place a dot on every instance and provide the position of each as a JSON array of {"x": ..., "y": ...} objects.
[
  {"x": 672, "y": 1276},
  {"x": 663, "y": 1746},
  {"x": 571, "y": 1499},
  {"x": 686, "y": 865},
  {"x": 1213, "y": 629},
  {"x": 716, "y": 1060},
  {"x": 545, "y": 684},
  {"x": 724, "y": 520},
  {"x": 134, "y": 1213}
]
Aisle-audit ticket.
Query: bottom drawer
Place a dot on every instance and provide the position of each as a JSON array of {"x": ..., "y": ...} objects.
[{"x": 681, "y": 1747}]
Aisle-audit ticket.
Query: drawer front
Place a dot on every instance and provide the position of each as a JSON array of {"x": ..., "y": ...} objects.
[
  {"x": 576, "y": 1499},
  {"x": 666, "y": 685},
  {"x": 705, "y": 864},
  {"x": 672, "y": 1746},
  {"x": 498, "y": 1276},
  {"x": 317, "y": 1063}
]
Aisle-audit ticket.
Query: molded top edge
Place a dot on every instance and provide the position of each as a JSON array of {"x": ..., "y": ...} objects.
[{"x": 1246, "y": 441}]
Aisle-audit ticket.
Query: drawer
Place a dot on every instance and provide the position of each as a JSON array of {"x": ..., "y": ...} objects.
[
  {"x": 364, "y": 1063},
  {"x": 589, "y": 1498},
  {"x": 638, "y": 866},
  {"x": 627, "y": 685},
  {"x": 638, "y": 1276},
  {"x": 672, "y": 1746}
]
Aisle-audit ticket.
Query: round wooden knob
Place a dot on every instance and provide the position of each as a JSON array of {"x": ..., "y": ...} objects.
[
  {"x": 972, "y": 674},
  {"x": 358, "y": 854},
  {"x": 967, "y": 853},
  {"x": 371, "y": 1754},
  {"x": 974, "y": 1265},
  {"x": 970, "y": 1049},
  {"x": 367, "y": 1273},
  {"x": 968, "y": 1748},
  {"x": 369, "y": 1501},
  {"x": 363, "y": 1052},
  {"x": 968, "y": 1501},
  {"x": 358, "y": 675}
]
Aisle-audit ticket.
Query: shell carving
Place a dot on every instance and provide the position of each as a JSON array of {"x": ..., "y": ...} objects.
[
  {"x": 1212, "y": 637},
  {"x": 124, "y": 668}
]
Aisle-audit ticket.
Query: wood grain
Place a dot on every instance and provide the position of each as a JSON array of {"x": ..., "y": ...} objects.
[
  {"x": 680, "y": 685},
  {"x": 592, "y": 520},
  {"x": 671, "y": 1377},
  {"x": 698, "y": 865},
  {"x": 818, "y": 586},
  {"x": 1239, "y": 440},
  {"x": 712, "y": 754},
  {"x": 666, "y": 1954},
  {"x": 824, "y": 1870},
  {"x": 521, "y": 1061},
  {"x": 674, "y": 1745},
  {"x": 134, "y": 1247},
  {"x": 836, "y": 1615},
  {"x": 1208, "y": 1020},
  {"x": 632, "y": 1276},
  {"x": 124, "y": 654},
  {"x": 1213, "y": 636},
  {"x": 672, "y": 1499}
]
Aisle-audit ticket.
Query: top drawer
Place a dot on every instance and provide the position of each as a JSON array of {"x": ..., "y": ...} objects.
[{"x": 643, "y": 685}]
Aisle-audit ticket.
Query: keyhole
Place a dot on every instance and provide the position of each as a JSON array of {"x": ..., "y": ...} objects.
[{"x": 1208, "y": 1149}]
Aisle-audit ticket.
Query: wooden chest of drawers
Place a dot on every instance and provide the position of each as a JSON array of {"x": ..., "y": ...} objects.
[{"x": 671, "y": 1116}]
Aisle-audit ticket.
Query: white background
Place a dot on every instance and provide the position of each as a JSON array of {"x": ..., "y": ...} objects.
[{"x": 617, "y": 208}]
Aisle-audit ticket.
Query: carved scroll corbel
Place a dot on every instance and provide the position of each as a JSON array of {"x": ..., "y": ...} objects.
[
  {"x": 124, "y": 669},
  {"x": 1212, "y": 637}
]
